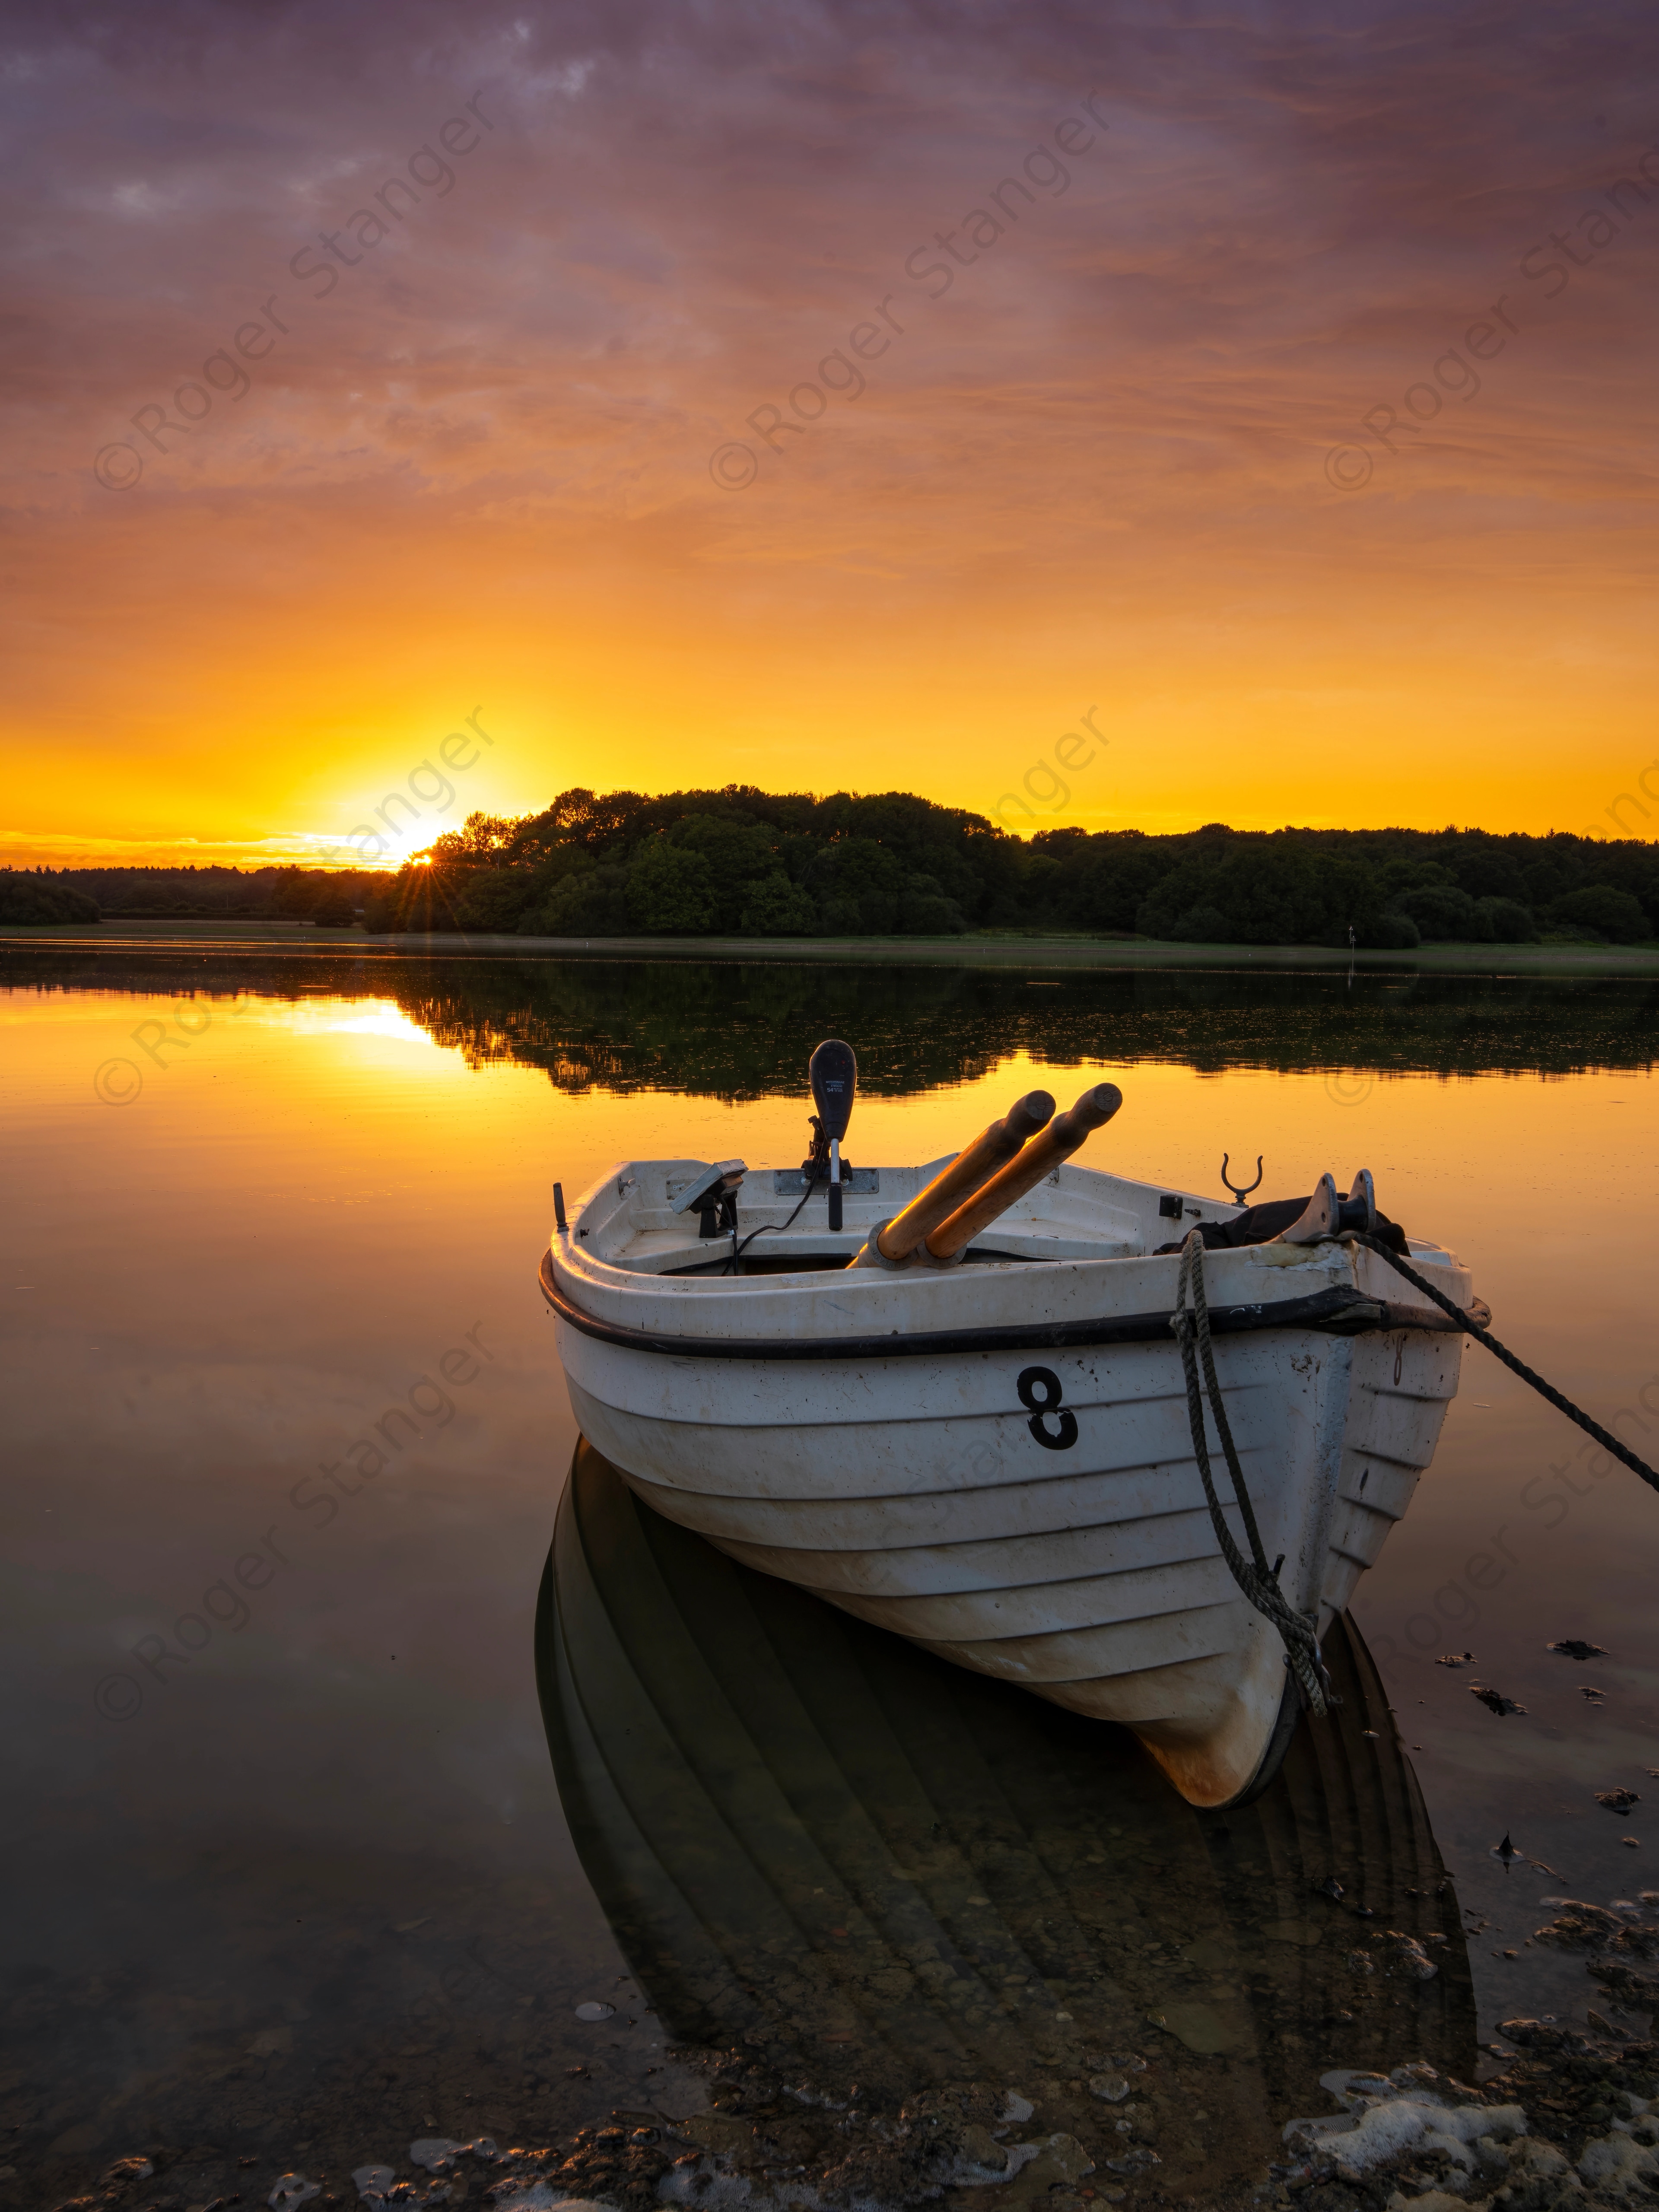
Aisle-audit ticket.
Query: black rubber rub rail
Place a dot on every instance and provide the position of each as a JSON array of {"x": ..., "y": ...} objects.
[{"x": 1339, "y": 1308}]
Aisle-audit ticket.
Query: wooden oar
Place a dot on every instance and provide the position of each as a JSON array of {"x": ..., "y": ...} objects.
[
  {"x": 988, "y": 1151},
  {"x": 1040, "y": 1157}
]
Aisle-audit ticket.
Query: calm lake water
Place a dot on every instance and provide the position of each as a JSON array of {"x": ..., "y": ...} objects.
[{"x": 313, "y": 1887}]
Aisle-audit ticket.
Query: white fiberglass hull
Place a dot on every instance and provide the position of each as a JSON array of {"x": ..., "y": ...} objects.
[{"x": 918, "y": 1490}]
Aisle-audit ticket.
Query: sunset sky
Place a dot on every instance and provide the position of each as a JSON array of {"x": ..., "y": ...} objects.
[{"x": 512, "y": 447}]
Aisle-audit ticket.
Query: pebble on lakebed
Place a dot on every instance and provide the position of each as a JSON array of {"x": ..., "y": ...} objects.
[{"x": 1570, "y": 2126}]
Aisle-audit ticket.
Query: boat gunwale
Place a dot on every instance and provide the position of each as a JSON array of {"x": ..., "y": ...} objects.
[{"x": 1337, "y": 1308}]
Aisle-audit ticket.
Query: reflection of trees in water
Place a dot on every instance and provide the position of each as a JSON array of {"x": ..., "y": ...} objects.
[
  {"x": 744, "y": 1030},
  {"x": 735, "y": 1032}
]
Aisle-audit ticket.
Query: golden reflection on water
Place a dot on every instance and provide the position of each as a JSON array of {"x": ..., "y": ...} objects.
[{"x": 311, "y": 1196}]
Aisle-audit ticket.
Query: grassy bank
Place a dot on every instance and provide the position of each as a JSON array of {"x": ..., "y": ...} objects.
[{"x": 986, "y": 948}]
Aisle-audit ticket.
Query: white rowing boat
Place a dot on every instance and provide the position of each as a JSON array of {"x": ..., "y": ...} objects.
[{"x": 994, "y": 1456}]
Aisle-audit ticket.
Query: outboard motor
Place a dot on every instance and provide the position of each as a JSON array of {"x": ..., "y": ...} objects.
[{"x": 834, "y": 1073}]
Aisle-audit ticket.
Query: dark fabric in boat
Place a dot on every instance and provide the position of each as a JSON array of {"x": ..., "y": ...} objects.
[
  {"x": 866, "y": 1864},
  {"x": 1260, "y": 1224}
]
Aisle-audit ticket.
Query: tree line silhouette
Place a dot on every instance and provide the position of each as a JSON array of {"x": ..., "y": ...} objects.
[{"x": 745, "y": 862}]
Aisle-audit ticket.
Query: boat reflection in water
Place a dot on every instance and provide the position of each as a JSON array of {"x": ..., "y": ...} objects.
[{"x": 815, "y": 1838}]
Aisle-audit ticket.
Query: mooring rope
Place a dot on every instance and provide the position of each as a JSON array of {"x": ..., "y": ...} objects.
[
  {"x": 1254, "y": 1576},
  {"x": 1516, "y": 1366}
]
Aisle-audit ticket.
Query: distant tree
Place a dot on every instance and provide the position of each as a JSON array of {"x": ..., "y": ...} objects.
[
  {"x": 1203, "y": 925},
  {"x": 1276, "y": 890},
  {"x": 1442, "y": 912},
  {"x": 31, "y": 901},
  {"x": 670, "y": 891},
  {"x": 480, "y": 838},
  {"x": 774, "y": 906},
  {"x": 551, "y": 880},
  {"x": 1507, "y": 922},
  {"x": 1609, "y": 914},
  {"x": 857, "y": 885},
  {"x": 295, "y": 893},
  {"x": 926, "y": 911},
  {"x": 491, "y": 899},
  {"x": 1108, "y": 882},
  {"x": 334, "y": 908},
  {"x": 589, "y": 902},
  {"x": 741, "y": 857}
]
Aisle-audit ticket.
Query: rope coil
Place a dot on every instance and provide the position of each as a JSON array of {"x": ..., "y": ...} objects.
[{"x": 1255, "y": 1578}]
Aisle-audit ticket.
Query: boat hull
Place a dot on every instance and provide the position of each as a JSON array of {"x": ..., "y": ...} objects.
[{"x": 1070, "y": 1551}]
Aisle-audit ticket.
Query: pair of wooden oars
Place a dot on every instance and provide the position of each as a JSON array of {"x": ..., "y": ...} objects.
[{"x": 941, "y": 1221}]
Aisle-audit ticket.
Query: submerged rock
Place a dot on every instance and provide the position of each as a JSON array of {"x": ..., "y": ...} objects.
[
  {"x": 1055, "y": 2163},
  {"x": 292, "y": 2189},
  {"x": 1618, "y": 1800},
  {"x": 1200, "y": 2027},
  {"x": 1380, "y": 2125},
  {"x": 1580, "y": 1926},
  {"x": 1540, "y": 2179},
  {"x": 983, "y": 2158},
  {"x": 1494, "y": 1700},
  {"x": 1110, "y": 2088},
  {"x": 1619, "y": 2165},
  {"x": 1413, "y": 1955},
  {"x": 436, "y": 2152},
  {"x": 1570, "y": 2126}
]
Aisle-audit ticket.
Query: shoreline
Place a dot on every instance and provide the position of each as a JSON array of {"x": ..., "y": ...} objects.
[{"x": 989, "y": 949}]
